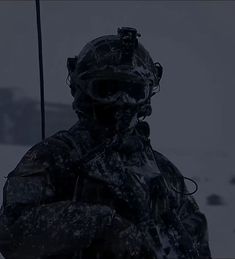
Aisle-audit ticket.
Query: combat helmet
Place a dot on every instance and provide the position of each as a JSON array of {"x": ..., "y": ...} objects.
[{"x": 115, "y": 70}]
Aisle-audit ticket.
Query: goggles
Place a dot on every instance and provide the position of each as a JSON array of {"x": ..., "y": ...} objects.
[{"x": 114, "y": 90}]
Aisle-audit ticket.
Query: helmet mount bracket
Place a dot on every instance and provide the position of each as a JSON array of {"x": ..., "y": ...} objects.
[{"x": 129, "y": 42}]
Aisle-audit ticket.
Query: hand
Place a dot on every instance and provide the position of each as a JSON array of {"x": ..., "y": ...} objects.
[
  {"x": 130, "y": 242},
  {"x": 137, "y": 197},
  {"x": 125, "y": 186}
]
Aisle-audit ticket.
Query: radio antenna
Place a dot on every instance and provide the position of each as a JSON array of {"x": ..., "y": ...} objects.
[{"x": 40, "y": 68}]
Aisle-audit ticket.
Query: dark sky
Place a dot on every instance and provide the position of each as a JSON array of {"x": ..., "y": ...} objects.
[{"x": 194, "y": 41}]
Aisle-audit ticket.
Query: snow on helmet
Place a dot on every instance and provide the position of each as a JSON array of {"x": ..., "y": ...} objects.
[{"x": 113, "y": 68}]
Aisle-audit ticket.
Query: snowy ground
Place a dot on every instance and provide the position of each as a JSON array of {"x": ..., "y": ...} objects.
[{"x": 213, "y": 172}]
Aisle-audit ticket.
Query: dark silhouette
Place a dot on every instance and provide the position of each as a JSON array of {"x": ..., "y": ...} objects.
[{"x": 99, "y": 190}]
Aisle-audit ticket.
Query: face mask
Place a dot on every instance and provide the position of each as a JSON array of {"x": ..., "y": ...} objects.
[
  {"x": 117, "y": 118},
  {"x": 116, "y": 102}
]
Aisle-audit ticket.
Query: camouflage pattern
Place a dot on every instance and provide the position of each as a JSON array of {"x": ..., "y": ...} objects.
[
  {"x": 81, "y": 194},
  {"x": 99, "y": 190}
]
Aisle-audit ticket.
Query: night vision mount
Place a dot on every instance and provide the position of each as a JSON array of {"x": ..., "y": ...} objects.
[{"x": 129, "y": 42}]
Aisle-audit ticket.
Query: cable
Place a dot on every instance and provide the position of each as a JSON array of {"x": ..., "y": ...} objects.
[
  {"x": 186, "y": 193},
  {"x": 187, "y": 178},
  {"x": 40, "y": 69}
]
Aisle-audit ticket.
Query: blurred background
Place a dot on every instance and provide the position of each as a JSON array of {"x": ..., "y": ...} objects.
[{"x": 193, "y": 115}]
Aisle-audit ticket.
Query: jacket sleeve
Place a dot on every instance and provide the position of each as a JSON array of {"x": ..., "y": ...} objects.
[
  {"x": 195, "y": 223},
  {"x": 34, "y": 219},
  {"x": 188, "y": 212}
]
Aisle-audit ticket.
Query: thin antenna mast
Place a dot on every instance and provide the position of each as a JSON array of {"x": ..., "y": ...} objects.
[{"x": 40, "y": 68}]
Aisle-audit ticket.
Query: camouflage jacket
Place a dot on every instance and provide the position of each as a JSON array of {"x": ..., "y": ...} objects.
[{"x": 70, "y": 197}]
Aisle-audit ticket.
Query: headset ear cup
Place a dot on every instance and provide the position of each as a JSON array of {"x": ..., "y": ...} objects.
[
  {"x": 72, "y": 89},
  {"x": 143, "y": 128},
  {"x": 159, "y": 69},
  {"x": 71, "y": 64},
  {"x": 145, "y": 110}
]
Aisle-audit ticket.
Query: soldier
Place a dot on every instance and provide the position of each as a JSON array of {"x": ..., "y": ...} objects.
[{"x": 99, "y": 190}]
